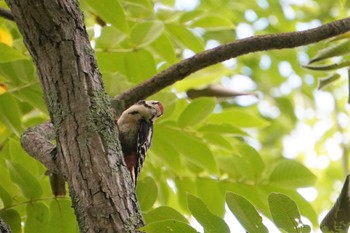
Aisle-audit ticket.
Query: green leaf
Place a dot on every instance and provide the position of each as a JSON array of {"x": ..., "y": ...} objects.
[
  {"x": 163, "y": 46},
  {"x": 19, "y": 73},
  {"x": 255, "y": 194},
  {"x": 138, "y": 8},
  {"x": 136, "y": 66},
  {"x": 193, "y": 149},
  {"x": 5, "y": 197},
  {"x": 145, "y": 33},
  {"x": 210, "y": 222},
  {"x": 184, "y": 186},
  {"x": 246, "y": 213},
  {"x": 213, "y": 22},
  {"x": 164, "y": 213},
  {"x": 110, "y": 38},
  {"x": 292, "y": 174},
  {"x": 223, "y": 129},
  {"x": 166, "y": 152},
  {"x": 110, "y": 11},
  {"x": 9, "y": 54},
  {"x": 324, "y": 82},
  {"x": 19, "y": 156},
  {"x": 202, "y": 78},
  {"x": 196, "y": 112},
  {"x": 285, "y": 214},
  {"x": 332, "y": 51},
  {"x": 62, "y": 217},
  {"x": 147, "y": 193},
  {"x": 239, "y": 118},
  {"x": 13, "y": 219},
  {"x": 186, "y": 37},
  {"x": 334, "y": 66},
  {"x": 215, "y": 201},
  {"x": 28, "y": 184},
  {"x": 37, "y": 218},
  {"x": 168, "y": 226},
  {"x": 32, "y": 95},
  {"x": 248, "y": 162},
  {"x": 10, "y": 114}
]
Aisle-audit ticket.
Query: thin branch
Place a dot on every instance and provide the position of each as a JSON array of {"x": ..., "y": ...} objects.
[
  {"x": 216, "y": 90},
  {"x": 6, "y": 14},
  {"x": 221, "y": 53}
]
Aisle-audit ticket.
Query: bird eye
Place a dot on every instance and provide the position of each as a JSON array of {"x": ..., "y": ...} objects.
[{"x": 133, "y": 112}]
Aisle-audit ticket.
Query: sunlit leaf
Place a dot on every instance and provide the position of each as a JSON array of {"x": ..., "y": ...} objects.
[
  {"x": 9, "y": 54},
  {"x": 197, "y": 111},
  {"x": 110, "y": 38},
  {"x": 292, "y": 174},
  {"x": 210, "y": 222},
  {"x": 330, "y": 67},
  {"x": 10, "y": 114},
  {"x": 332, "y": 51},
  {"x": 213, "y": 22},
  {"x": 110, "y": 11},
  {"x": 6, "y": 37},
  {"x": 239, "y": 118},
  {"x": 285, "y": 214},
  {"x": 193, "y": 149},
  {"x": 145, "y": 33},
  {"x": 147, "y": 192},
  {"x": 5, "y": 197},
  {"x": 28, "y": 184},
  {"x": 164, "y": 213},
  {"x": 37, "y": 218},
  {"x": 202, "y": 78},
  {"x": 168, "y": 226},
  {"x": 3, "y": 88},
  {"x": 327, "y": 81},
  {"x": 62, "y": 218},
  {"x": 13, "y": 219},
  {"x": 223, "y": 129},
  {"x": 186, "y": 37},
  {"x": 139, "y": 8},
  {"x": 246, "y": 213},
  {"x": 216, "y": 200},
  {"x": 136, "y": 66},
  {"x": 248, "y": 162},
  {"x": 163, "y": 46}
]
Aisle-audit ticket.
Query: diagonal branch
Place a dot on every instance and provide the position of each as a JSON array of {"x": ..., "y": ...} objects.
[{"x": 221, "y": 53}]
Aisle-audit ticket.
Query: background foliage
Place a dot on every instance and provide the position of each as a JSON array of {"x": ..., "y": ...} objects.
[{"x": 275, "y": 158}]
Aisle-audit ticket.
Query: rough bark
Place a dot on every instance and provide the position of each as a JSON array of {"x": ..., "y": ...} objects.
[{"x": 88, "y": 151}]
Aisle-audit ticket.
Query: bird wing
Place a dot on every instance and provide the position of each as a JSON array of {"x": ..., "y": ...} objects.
[{"x": 144, "y": 139}]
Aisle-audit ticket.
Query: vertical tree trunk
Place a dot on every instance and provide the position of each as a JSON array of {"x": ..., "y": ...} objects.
[{"x": 89, "y": 154}]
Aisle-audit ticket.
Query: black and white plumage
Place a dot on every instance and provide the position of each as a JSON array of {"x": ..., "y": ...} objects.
[{"x": 135, "y": 133}]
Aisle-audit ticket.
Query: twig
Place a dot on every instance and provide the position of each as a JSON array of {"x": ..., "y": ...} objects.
[
  {"x": 6, "y": 14},
  {"x": 221, "y": 53}
]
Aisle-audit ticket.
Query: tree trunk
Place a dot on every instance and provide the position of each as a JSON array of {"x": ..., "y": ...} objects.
[{"x": 88, "y": 150}]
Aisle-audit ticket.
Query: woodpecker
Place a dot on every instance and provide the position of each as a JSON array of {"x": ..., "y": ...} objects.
[{"x": 135, "y": 133}]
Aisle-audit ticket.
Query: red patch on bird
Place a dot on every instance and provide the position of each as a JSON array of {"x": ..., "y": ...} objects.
[{"x": 161, "y": 107}]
